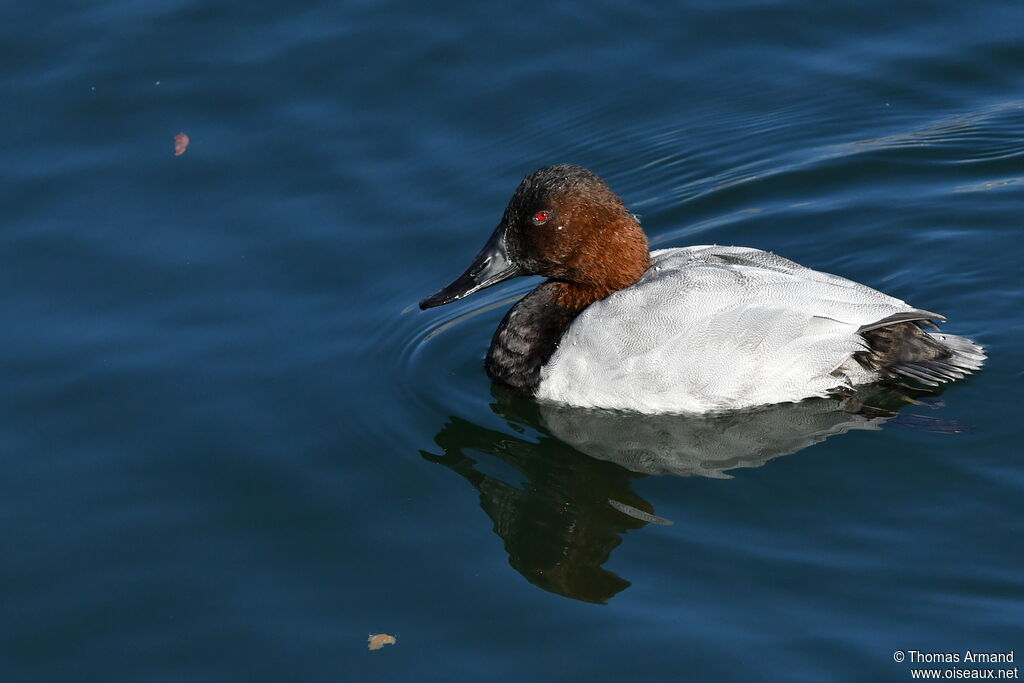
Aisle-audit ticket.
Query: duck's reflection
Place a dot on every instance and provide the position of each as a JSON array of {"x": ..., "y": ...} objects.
[{"x": 561, "y": 522}]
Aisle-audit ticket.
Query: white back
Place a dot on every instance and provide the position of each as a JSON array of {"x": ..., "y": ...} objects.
[{"x": 715, "y": 328}]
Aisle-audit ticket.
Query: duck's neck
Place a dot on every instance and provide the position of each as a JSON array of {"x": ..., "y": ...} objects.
[
  {"x": 526, "y": 338},
  {"x": 531, "y": 331}
]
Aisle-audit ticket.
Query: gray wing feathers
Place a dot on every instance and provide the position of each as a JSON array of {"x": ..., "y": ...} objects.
[{"x": 907, "y": 316}]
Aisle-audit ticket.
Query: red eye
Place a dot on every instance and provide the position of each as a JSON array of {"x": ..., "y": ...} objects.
[{"x": 541, "y": 216}]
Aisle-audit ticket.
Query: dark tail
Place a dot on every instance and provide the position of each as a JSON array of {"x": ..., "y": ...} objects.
[
  {"x": 902, "y": 348},
  {"x": 962, "y": 357}
]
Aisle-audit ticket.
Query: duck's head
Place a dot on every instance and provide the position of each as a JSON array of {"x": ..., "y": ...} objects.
[{"x": 564, "y": 223}]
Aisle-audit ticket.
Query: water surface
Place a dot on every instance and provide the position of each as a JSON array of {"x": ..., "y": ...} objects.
[{"x": 233, "y": 448}]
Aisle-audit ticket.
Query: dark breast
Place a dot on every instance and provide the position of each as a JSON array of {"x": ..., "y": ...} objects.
[{"x": 525, "y": 339}]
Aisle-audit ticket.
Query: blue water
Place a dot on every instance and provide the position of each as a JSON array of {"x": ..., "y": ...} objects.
[{"x": 233, "y": 447}]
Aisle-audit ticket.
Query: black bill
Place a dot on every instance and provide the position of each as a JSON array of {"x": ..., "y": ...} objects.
[{"x": 491, "y": 266}]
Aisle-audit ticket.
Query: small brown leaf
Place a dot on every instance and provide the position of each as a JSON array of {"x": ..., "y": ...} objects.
[
  {"x": 380, "y": 640},
  {"x": 180, "y": 144}
]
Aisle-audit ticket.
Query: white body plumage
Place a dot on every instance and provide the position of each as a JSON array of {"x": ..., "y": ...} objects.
[{"x": 712, "y": 328}]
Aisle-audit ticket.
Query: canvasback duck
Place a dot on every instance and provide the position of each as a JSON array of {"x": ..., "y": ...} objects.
[{"x": 688, "y": 330}]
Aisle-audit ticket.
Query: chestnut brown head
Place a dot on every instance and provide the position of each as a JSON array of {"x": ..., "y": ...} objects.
[{"x": 565, "y": 223}]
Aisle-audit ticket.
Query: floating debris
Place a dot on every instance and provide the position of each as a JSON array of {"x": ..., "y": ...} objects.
[
  {"x": 180, "y": 144},
  {"x": 380, "y": 640}
]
